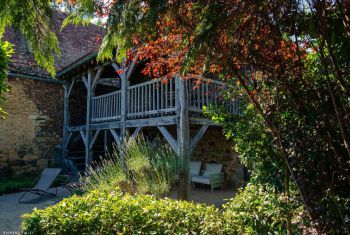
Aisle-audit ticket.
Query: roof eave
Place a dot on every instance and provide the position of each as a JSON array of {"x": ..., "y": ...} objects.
[{"x": 77, "y": 64}]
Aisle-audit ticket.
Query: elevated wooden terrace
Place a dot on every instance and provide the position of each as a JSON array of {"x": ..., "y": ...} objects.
[{"x": 126, "y": 109}]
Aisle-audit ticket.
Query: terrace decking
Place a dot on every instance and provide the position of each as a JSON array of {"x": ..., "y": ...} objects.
[{"x": 152, "y": 103}]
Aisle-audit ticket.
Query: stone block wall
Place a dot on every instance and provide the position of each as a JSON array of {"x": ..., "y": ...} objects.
[
  {"x": 33, "y": 127},
  {"x": 215, "y": 148}
]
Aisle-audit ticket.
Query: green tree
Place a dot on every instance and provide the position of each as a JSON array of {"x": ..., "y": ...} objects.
[
  {"x": 5, "y": 53},
  {"x": 33, "y": 19},
  {"x": 301, "y": 50}
]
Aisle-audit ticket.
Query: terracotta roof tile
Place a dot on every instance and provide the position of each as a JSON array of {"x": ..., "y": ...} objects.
[{"x": 75, "y": 42}]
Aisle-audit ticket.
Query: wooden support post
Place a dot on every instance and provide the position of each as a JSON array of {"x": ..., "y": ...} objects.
[
  {"x": 68, "y": 87},
  {"x": 124, "y": 102},
  {"x": 88, "y": 84},
  {"x": 65, "y": 125},
  {"x": 183, "y": 138}
]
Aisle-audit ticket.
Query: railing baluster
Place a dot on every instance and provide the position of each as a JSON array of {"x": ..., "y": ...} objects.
[
  {"x": 171, "y": 92},
  {"x": 166, "y": 95},
  {"x": 154, "y": 95},
  {"x": 138, "y": 99},
  {"x": 202, "y": 91},
  {"x": 158, "y": 96},
  {"x": 149, "y": 97},
  {"x": 130, "y": 91},
  {"x": 161, "y": 95}
]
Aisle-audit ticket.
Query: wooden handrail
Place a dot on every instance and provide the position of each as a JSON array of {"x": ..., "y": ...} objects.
[{"x": 155, "y": 98}]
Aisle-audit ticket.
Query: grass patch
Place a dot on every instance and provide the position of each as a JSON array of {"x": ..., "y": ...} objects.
[{"x": 14, "y": 184}]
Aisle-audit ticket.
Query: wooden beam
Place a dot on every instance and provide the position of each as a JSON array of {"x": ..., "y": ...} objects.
[
  {"x": 85, "y": 80},
  {"x": 136, "y": 132},
  {"x": 88, "y": 153},
  {"x": 116, "y": 66},
  {"x": 65, "y": 124},
  {"x": 198, "y": 136},
  {"x": 94, "y": 138},
  {"x": 156, "y": 121},
  {"x": 124, "y": 103},
  {"x": 183, "y": 138},
  {"x": 131, "y": 68},
  {"x": 116, "y": 137},
  {"x": 169, "y": 138},
  {"x": 70, "y": 88},
  {"x": 82, "y": 134},
  {"x": 97, "y": 76},
  {"x": 68, "y": 139},
  {"x": 202, "y": 121},
  {"x": 105, "y": 142}
]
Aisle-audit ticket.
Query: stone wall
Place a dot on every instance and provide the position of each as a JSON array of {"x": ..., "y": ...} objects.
[
  {"x": 212, "y": 148},
  {"x": 33, "y": 127},
  {"x": 215, "y": 148}
]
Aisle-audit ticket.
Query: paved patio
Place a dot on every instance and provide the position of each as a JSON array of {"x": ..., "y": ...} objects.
[
  {"x": 11, "y": 210},
  {"x": 203, "y": 194}
]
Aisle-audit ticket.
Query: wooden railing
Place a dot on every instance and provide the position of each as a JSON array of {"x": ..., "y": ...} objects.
[
  {"x": 152, "y": 98},
  {"x": 106, "y": 107},
  {"x": 206, "y": 92},
  {"x": 157, "y": 98}
]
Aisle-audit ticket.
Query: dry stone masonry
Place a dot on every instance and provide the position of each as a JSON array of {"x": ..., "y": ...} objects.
[{"x": 33, "y": 127}]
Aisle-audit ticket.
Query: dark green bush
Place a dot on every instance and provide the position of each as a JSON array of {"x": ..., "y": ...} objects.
[
  {"x": 102, "y": 213},
  {"x": 259, "y": 210},
  {"x": 14, "y": 184}
]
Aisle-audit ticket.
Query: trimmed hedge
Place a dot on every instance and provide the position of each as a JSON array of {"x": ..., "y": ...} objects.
[{"x": 101, "y": 213}]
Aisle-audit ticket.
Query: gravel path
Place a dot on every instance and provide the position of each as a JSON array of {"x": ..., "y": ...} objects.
[{"x": 11, "y": 210}]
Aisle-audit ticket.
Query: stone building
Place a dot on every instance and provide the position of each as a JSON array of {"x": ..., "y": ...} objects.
[
  {"x": 89, "y": 107},
  {"x": 34, "y": 124}
]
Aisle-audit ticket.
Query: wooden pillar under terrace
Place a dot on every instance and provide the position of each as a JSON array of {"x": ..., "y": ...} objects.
[
  {"x": 183, "y": 138},
  {"x": 88, "y": 153}
]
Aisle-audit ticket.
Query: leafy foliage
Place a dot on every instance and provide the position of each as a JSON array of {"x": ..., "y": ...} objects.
[
  {"x": 259, "y": 210},
  {"x": 33, "y": 19},
  {"x": 254, "y": 143},
  {"x": 102, "y": 213},
  {"x": 300, "y": 50},
  {"x": 5, "y": 53},
  {"x": 138, "y": 165},
  {"x": 256, "y": 210}
]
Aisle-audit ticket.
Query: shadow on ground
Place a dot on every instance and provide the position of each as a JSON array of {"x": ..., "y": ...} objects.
[{"x": 11, "y": 210}]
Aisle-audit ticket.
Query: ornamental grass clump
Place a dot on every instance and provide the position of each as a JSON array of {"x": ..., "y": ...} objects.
[{"x": 136, "y": 166}]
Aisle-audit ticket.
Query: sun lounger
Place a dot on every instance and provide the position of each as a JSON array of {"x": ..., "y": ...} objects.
[{"x": 47, "y": 177}]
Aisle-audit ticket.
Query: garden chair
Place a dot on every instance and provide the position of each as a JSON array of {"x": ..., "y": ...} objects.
[
  {"x": 212, "y": 176},
  {"x": 46, "y": 178},
  {"x": 195, "y": 168}
]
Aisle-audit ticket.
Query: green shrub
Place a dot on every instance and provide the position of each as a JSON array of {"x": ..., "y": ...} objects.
[
  {"x": 14, "y": 184},
  {"x": 103, "y": 213},
  {"x": 138, "y": 165},
  {"x": 259, "y": 210}
]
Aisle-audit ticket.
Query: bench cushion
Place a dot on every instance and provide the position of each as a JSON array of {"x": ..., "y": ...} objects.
[{"x": 202, "y": 179}]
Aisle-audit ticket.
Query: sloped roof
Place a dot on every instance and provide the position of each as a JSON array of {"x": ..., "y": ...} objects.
[{"x": 75, "y": 42}]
